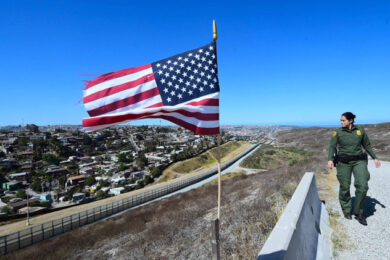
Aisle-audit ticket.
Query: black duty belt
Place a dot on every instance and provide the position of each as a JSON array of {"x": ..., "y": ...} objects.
[{"x": 347, "y": 158}]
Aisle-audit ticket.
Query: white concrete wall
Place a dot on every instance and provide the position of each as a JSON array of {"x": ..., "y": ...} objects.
[{"x": 302, "y": 231}]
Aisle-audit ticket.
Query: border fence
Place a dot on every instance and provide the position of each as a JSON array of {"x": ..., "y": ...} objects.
[{"x": 34, "y": 234}]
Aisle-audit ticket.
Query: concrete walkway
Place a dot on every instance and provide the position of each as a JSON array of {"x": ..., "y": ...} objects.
[{"x": 371, "y": 241}]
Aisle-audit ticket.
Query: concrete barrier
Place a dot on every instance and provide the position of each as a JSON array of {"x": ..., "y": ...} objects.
[{"x": 302, "y": 231}]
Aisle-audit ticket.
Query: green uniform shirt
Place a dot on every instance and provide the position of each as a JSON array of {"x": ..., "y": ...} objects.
[{"x": 350, "y": 142}]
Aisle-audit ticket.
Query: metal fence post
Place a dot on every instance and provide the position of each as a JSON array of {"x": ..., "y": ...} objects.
[
  {"x": 19, "y": 239},
  {"x": 62, "y": 225},
  {"x": 32, "y": 237},
  {"x": 5, "y": 245},
  {"x": 43, "y": 232},
  {"x": 79, "y": 220},
  {"x": 93, "y": 214},
  {"x": 52, "y": 227}
]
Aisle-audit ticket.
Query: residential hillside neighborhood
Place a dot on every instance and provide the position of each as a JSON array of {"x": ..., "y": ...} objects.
[{"x": 44, "y": 168}]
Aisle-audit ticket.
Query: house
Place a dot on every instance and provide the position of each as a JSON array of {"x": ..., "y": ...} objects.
[
  {"x": 118, "y": 179},
  {"x": 21, "y": 204},
  {"x": 78, "y": 197},
  {"x": 85, "y": 159},
  {"x": 160, "y": 148},
  {"x": 7, "y": 162},
  {"x": 105, "y": 189},
  {"x": 116, "y": 191},
  {"x": 86, "y": 170},
  {"x": 101, "y": 178},
  {"x": 57, "y": 171},
  {"x": 153, "y": 158},
  {"x": 20, "y": 176},
  {"x": 12, "y": 185},
  {"x": 46, "y": 197},
  {"x": 65, "y": 163},
  {"x": 137, "y": 175},
  {"x": 25, "y": 153},
  {"x": 75, "y": 180}
]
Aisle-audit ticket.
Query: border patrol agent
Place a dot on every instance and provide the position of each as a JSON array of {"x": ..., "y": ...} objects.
[{"x": 349, "y": 159}]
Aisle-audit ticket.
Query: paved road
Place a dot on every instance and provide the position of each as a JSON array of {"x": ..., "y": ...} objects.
[{"x": 371, "y": 241}]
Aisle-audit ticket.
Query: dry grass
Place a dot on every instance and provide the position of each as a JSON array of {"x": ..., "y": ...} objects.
[
  {"x": 228, "y": 175},
  {"x": 204, "y": 160}
]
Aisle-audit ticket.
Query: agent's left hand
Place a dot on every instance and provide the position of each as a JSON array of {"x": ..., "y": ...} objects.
[{"x": 377, "y": 163}]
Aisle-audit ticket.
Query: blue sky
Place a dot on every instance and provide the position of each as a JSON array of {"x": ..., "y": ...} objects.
[{"x": 280, "y": 62}]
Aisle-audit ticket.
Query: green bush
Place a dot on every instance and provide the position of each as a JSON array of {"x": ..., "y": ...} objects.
[
  {"x": 269, "y": 157},
  {"x": 6, "y": 199},
  {"x": 6, "y": 209},
  {"x": 270, "y": 152},
  {"x": 36, "y": 185},
  {"x": 45, "y": 204},
  {"x": 21, "y": 194}
]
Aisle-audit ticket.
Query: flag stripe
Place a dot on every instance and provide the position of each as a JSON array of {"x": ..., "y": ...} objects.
[
  {"x": 205, "y": 102},
  {"x": 139, "y": 106},
  {"x": 119, "y": 88},
  {"x": 194, "y": 128},
  {"x": 117, "y": 81},
  {"x": 118, "y": 96},
  {"x": 156, "y": 105},
  {"x": 124, "y": 102},
  {"x": 112, "y": 119},
  {"x": 116, "y": 74},
  {"x": 208, "y": 105}
]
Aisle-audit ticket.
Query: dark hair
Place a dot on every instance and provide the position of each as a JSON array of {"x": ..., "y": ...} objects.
[{"x": 349, "y": 116}]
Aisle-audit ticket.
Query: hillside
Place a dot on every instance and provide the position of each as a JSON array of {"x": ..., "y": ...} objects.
[
  {"x": 205, "y": 160},
  {"x": 316, "y": 139},
  {"x": 268, "y": 157},
  {"x": 178, "y": 227}
]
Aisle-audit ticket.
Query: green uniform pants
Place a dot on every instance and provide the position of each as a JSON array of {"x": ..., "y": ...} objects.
[{"x": 361, "y": 175}]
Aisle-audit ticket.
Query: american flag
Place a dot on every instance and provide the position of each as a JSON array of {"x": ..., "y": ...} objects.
[{"x": 183, "y": 89}]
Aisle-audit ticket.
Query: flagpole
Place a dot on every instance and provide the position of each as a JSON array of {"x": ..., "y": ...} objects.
[
  {"x": 215, "y": 37},
  {"x": 215, "y": 253}
]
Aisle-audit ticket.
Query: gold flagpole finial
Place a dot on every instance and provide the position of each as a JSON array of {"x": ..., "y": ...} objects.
[{"x": 215, "y": 37}]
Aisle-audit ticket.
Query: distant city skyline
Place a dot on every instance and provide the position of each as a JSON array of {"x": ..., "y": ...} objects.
[{"x": 298, "y": 63}]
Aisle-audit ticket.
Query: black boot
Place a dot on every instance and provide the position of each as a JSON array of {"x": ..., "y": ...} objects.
[
  {"x": 347, "y": 215},
  {"x": 361, "y": 219}
]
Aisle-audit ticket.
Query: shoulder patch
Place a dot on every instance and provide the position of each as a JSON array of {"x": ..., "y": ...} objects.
[
  {"x": 358, "y": 132},
  {"x": 334, "y": 133}
]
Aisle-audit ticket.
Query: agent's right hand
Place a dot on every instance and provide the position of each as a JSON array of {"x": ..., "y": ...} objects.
[{"x": 330, "y": 164}]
